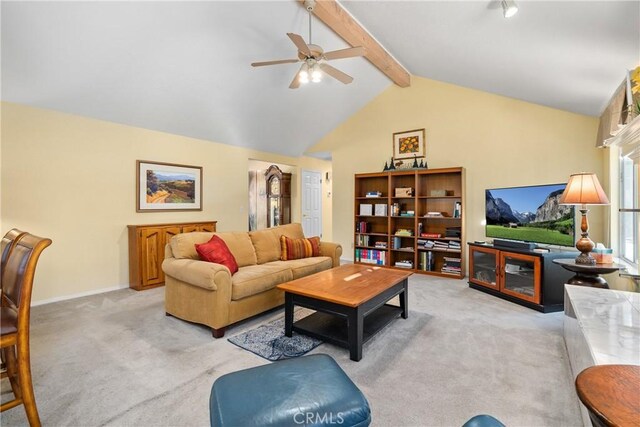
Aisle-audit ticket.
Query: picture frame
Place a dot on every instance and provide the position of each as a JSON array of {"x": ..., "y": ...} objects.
[
  {"x": 164, "y": 187},
  {"x": 409, "y": 144}
]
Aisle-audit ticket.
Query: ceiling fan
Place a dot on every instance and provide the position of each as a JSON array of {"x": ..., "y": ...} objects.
[{"x": 314, "y": 59}]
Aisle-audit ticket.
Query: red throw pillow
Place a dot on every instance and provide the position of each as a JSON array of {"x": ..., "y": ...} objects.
[
  {"x": 299, "y": 248},
  {"x": 216, "y": 250}
]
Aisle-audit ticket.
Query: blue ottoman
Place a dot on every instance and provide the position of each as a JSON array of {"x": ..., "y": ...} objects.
[
  {"x": 483, "y": 421},
  {"x": 308, "y": 390}
]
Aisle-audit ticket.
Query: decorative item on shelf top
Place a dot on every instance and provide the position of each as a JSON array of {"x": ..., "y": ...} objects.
[
  {"x": 409, "y": 144},
  {"x": 392, "y": 166}
]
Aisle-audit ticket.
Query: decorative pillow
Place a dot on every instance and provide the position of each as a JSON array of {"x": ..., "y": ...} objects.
[
  {"x": 216, "y": 250},
  {"x": 299, "y": 248}
]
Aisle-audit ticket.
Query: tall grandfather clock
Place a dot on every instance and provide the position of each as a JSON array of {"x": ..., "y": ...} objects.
[{"x": 278, "y": 196}]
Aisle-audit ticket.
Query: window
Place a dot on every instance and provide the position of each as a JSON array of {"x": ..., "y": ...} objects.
[{"x": 629, "y": 211}]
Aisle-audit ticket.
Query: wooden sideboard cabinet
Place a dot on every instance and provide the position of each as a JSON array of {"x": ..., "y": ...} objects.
[{"x": 146, "y": 250}]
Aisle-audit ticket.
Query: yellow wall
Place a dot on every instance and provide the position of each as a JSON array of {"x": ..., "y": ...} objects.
[
  {"x": 502, "y": 142},
  {"x": 72, "y": 179}
]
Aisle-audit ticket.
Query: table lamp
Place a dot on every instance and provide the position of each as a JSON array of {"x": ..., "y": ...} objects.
[{"x": 584, "y": 189}]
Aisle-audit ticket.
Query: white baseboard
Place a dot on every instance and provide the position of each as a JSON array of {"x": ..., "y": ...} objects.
[
  {"x": 78, "y": 295},
  {"x": 345, "y": 261}
]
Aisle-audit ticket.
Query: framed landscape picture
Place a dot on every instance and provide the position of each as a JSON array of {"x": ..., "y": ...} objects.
[
  {"x": 409, "y": 144},
  {"x": 168, "y": 187}
]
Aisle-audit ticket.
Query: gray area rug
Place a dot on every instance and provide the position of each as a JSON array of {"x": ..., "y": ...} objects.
[
  {"x": 115, "y": 359},
  {"x": 268, "y": 341}
]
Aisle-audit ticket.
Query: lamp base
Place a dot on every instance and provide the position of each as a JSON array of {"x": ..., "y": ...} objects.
[{"x": 585, "y": 259}]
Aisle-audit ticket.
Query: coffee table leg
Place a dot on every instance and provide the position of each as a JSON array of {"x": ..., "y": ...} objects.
[
  {"x": 288, "y": 313},
  {"x": 404, "y": 299},
  {"x": 355, "y": 326}
]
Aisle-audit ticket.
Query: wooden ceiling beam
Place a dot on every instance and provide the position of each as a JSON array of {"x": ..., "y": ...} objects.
[{"x": 342, "y": 23}]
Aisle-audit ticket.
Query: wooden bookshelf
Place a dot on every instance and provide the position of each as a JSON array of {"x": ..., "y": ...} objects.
[{"x": 427, "y": 185}]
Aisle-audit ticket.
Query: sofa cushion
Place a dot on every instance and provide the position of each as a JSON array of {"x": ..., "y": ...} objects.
[
  {"x": 253, "y": 279},
  {"x": 267, "y": 241},
  {"x": 216, "y": 250},
  {"x": 183, "y": 245},
  {"x": 267, "y": 244},
  {"x": 239, "y": 243},
  {"x": 293, "y": 231},
  {"x": 240, "y": 246},
  {"x": 299, "y": 248},
  {"x": 306, "y": 266}
]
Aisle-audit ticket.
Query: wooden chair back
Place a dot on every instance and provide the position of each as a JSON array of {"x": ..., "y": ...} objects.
[
  {"x": 18, "y": 273},
  {"x": 6, "y": 245}
]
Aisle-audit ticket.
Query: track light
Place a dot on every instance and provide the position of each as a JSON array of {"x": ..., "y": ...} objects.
[{"x": 509, "y": 8}]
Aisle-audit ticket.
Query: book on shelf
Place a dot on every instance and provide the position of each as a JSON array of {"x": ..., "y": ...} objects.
[
  {"x": 453, "y": 232},
  {"x": 404, "y": 264},
  {"x": 382, "y": 245},
  {"x": 427, "y": 261},
  {"x": 366, "y": 209},
  {"x": 373, "y": 194},
  {"x": 451, "y": 265},
  {"x": 431, "y": 235},
  {"x": 396, "y": 242},
  {"x": 362, "y": 227},
  {"x": 370, "y": 256},
  {"x": 362, "y": 240},
  {"x": 434, "y": 214}
]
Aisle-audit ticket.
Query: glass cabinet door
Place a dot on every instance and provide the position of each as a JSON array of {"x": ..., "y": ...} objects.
[
  {"x": 521, "y": 276},
  {"x": 484, "y": 266}
]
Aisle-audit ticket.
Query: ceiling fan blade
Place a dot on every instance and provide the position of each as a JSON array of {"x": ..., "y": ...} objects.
[
  {"x": 300, "y": 44},
  {"x": 336, "y": 74},
  {"x": 295, "y": 83},
  {"x": 281, "y": 61},
  {"x": 345, "y": 53}
]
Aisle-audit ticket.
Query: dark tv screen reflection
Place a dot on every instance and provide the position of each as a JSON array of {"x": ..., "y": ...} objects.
[{"x": 531, "y": 214}]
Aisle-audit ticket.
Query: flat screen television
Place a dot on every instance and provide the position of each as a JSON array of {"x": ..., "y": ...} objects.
[{"x": 531, "y": 214}]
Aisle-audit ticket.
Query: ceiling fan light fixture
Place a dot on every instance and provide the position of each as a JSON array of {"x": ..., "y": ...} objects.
[
  {"x": 509, "y": 8},
  {"x": 316, "y": 74},
  {"x": 303, "y": 76}
]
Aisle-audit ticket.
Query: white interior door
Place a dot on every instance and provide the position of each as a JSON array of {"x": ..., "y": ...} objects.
[{"x": 312, "y": 203}]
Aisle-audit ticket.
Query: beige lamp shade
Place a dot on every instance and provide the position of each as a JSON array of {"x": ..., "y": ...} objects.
[{"x": 584, "y": 189}]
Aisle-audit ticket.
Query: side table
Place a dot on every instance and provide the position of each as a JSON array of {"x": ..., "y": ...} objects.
[
  {"x": 610, "y": 393},
  {"x": 588, "y": 275}
]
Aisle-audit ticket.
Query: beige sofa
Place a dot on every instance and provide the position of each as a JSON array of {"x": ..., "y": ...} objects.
[{"x": 206, "y": 293}]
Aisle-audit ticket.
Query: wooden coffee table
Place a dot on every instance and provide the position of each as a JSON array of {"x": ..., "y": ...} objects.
[{"x": 350, "y": 303}]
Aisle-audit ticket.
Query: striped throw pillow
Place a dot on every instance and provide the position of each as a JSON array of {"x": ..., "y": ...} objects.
[{"x": 299, "y": 248}]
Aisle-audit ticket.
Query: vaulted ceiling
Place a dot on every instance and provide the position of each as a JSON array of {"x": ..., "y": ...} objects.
[{"x": 183, "y": 67}]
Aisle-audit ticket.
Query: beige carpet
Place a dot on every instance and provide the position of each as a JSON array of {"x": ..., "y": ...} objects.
[{"x": 116, "y": 359}]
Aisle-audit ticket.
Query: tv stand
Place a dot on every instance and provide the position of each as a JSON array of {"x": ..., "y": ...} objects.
[{"x": 523, "y": 276}]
